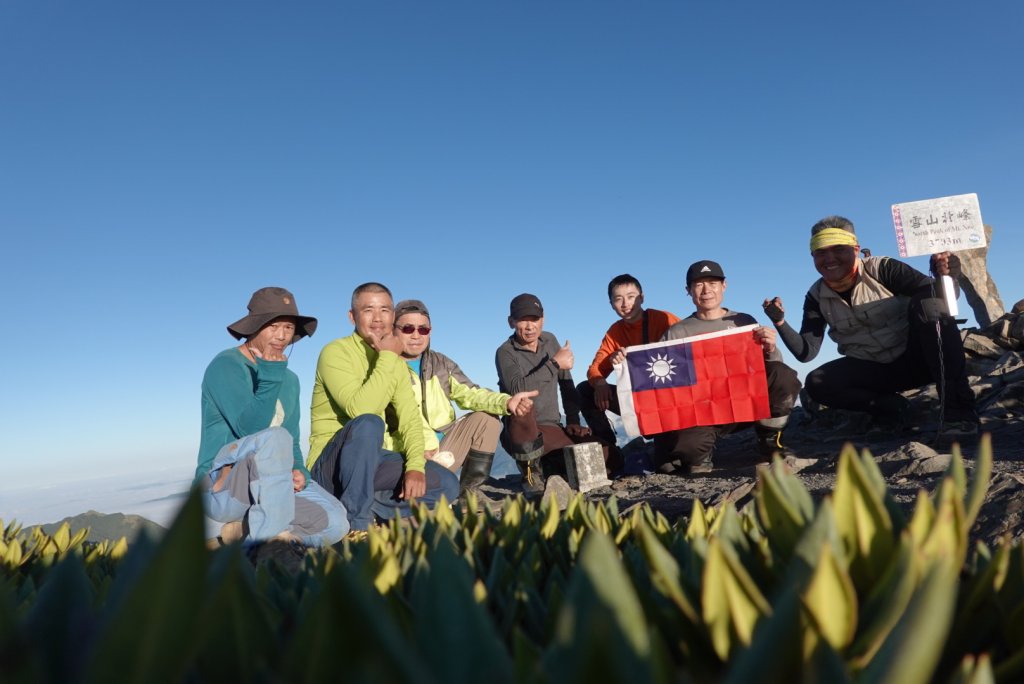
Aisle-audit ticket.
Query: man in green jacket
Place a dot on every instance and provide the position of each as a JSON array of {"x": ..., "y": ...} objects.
[
  {"x": 437, "y": 381},
  {"x": 366, "y": 441}
]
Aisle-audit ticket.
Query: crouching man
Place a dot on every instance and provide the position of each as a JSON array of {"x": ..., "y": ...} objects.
[
  {"x": 250, "y": 468},
  {"x": 468, "y": 441},
  {"x": 366, "y": 438},
  {"x": 689, "y": 451}
]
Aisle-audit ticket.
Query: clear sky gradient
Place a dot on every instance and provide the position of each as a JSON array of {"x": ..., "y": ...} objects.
[{"x": 161, "y": 161}]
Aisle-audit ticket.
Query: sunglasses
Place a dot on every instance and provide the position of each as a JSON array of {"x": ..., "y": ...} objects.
[{"x": 410, "y": 329}]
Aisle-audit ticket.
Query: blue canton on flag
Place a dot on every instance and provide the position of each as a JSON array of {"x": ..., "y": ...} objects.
[{"x": 661, "y": 367}]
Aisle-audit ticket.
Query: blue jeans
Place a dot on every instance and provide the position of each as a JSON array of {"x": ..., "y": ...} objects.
[
  {"x": 258, "y": 491},
  {"x": 366, "y": 477}
]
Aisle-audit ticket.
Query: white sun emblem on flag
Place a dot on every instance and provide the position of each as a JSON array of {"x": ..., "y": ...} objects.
[{"x": 661, "y": 368}]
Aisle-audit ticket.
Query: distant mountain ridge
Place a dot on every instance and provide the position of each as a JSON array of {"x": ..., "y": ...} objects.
[{"x": 108, "y": 526}]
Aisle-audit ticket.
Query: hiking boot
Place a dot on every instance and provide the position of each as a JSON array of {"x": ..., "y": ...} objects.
[
  {"x": 850, "y": 424},
  {"x": 482, "y": 501},
  {"x": 475, "y": 472},
  {"x": 890, "y": 412},
  {"x": 533, "y": 478},
  {"x": 669, "y": 468},
  {"x": 701, "y": 468},
  {"x": 958, "y": 428},
  {"x": 769, "y": 443},
  {"x": 677, "y": 467}
]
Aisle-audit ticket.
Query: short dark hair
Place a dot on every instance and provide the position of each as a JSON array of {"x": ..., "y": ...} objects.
[
  {"x": 624, "y": 279},
  {"x": 369, "y": 287},
  {"x": 833, "y": 222}
]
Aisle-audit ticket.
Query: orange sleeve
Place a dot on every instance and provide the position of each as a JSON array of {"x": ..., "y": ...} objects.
[{"x": 601, "y": 366}]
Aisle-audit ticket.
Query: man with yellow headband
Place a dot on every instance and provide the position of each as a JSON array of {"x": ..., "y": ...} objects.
[{"x": 883, "y": 316}]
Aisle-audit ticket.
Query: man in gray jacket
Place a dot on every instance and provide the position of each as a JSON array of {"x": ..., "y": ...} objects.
[
  {"x": 689, "y": 451},
  {"x": 532, "y": 359}
]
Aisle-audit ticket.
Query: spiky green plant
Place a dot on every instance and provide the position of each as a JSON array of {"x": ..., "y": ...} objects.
[{"x": 848, "y": 588}]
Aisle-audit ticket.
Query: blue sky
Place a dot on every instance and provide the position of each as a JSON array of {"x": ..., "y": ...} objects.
[{"x": 160, "y": 161}]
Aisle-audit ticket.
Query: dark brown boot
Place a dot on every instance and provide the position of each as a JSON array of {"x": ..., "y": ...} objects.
[
  {"x": 533, "y": 478},
  {"x": 475, "y": 471}
]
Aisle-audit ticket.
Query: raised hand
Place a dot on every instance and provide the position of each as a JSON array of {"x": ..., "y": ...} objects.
[
  {"x": 564, "y": 358},
  {"x": 387, "y": 342},
  {"x": 945, "y": 263},
  {"x": 774, "y": 310},
  {"x": 267, "y": 354}
]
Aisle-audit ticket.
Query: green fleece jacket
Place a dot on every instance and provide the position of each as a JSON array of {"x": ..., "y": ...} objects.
[
  {"x": 241, "y": 398},
  {"x": 353, "y": 379},
  {"x": 444, "y": 382}
]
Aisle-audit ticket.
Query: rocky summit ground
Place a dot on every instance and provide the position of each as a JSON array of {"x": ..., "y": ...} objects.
[{"x": 910, "y": 458}]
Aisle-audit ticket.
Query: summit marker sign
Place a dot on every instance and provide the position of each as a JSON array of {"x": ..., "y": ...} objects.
[{"x": 945, "y": 224}]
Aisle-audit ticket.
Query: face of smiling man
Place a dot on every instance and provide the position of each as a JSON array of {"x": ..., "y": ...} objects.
[
  {"x": 836, "y": 262},
  {"x": 707, "y": 295},
  {"x": 414, "y": 342},
  {"x": 627, "y": 301},
  {"x": 373, "y": 314}
]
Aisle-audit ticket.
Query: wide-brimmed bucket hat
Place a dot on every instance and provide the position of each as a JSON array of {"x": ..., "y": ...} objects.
[{"x": 267, "y": 304}]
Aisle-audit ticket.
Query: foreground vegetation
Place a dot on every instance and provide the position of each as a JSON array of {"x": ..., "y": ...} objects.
[{"x": 789, "y": 589}]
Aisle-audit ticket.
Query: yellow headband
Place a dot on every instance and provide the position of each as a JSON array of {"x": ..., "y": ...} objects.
[{"x": 830, "y": 237}]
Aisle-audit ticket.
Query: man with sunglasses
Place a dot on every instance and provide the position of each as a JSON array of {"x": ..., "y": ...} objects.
[
  {"x": 366, "y": 437},
  {"x": 468, "y": 442}
]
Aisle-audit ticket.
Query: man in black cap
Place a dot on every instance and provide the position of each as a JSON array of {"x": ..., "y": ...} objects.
[
  {"x": 531, "y": 359},
  {"x": 689, "y": 451},
  {"x": 250, "y": 467}
]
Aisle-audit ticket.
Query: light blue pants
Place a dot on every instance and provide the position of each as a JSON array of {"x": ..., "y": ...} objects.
[{"x": 258, "y": 492}]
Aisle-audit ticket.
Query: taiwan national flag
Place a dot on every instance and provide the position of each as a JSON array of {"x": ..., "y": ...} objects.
[{"x": 712, "y": 379}]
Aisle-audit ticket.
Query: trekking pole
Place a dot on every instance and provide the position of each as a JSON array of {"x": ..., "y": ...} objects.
[{"x": 942, "y": 381}]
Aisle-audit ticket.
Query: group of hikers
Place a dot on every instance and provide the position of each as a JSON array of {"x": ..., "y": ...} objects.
[{"x": 384, "y": 431}]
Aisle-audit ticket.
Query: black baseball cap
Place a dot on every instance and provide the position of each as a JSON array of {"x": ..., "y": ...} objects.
[
  {"x": 704, "y": 269},
  {"x": 525, "y": 305}
]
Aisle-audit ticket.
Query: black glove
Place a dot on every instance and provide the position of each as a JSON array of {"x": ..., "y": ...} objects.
[{"x": 774, "y": 311}]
